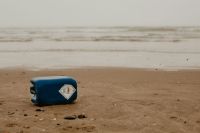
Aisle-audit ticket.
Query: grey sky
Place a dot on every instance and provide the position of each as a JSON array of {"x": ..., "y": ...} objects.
[{"x": 99, "y": 13}]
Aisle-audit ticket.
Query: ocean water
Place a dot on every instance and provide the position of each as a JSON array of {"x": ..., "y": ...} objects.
[
  {"x": 71, "y": 47},
  {"x": 131, "y": 34}
]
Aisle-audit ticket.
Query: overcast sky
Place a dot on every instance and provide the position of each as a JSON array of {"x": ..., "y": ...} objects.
[{"x": 99, "y": 13}]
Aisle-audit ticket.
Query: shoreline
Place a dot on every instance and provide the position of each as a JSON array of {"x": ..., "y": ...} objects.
[
  {"x": 41, "y": 55},
  {"x": 32, "y": 69}
]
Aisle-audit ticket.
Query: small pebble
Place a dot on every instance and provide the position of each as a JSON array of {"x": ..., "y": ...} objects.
[
  {"x": 198, "y": 121},
  {"x": 43, "y": 130},
  {"x": 72, "y": 117},
  {"x": 54, "y": 119},
  {"x": 173, "y": 117},
  {"x": 92, "y": 119},
  {"x": 82, "y": 116},
  {"x": 27, "y": 127},
  {"x": 178, "y": 100},
  {"x": 39, "y": 110},
  {"x": 41, "y": 119},
  {"x": 11, "y": 113}
]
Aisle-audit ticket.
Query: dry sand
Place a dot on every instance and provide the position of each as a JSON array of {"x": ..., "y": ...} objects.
[{"x": 114, "y": 100}]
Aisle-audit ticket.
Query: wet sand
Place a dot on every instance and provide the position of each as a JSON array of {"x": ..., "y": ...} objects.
[
  {"x": 113, "y": 99},
  {"x": 62, "y": 55}
]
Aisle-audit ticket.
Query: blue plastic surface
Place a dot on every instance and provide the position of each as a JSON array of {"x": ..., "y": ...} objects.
[{"x": 45, "y": 90}]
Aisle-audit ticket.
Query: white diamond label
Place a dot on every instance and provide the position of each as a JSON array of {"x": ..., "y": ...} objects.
[{"x": 67, "y": 91}]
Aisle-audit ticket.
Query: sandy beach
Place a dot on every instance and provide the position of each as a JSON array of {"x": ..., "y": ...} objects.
[
  {"x": 136, "y": 64},
  {"x": 112, "y": 99}
]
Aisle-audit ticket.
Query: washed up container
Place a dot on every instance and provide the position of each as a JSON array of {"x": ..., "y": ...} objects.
[{"x": 53, "y": 90}]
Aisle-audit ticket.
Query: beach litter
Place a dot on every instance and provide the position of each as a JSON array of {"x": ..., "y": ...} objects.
[{"x": 53, "y": 90}]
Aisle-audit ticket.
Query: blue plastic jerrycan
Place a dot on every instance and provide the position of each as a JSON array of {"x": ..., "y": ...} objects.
[{"x": 53, "y": 90}]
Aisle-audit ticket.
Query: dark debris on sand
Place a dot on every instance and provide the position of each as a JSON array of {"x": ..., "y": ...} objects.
[
  {"x": 39, "y": 110},
  {"x": 73, "y": 117}
]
